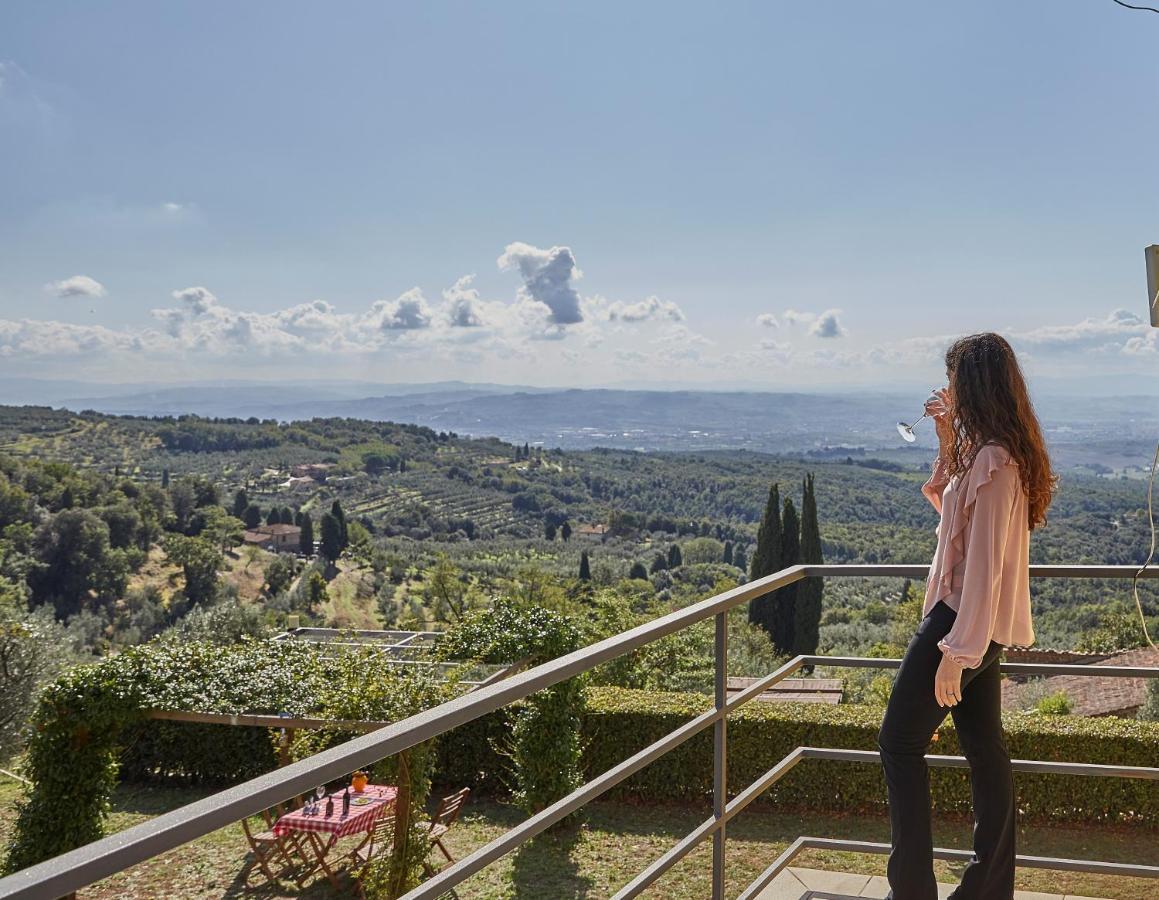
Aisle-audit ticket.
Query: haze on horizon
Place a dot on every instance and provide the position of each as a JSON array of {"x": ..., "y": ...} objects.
[{"x": 768, "y": 196}]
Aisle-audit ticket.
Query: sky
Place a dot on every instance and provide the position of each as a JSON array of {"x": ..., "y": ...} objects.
[{"x": 760, "y": 194}]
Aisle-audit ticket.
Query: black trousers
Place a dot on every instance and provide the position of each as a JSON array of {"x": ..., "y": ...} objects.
[{"x": 912, "y": 716}]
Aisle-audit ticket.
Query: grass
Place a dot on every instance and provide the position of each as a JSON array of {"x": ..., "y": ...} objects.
[{"x": 608, "y": 849}]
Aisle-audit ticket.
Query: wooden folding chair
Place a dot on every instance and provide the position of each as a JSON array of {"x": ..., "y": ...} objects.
[
  {"x": 380, "y": 842},
  {"x": 268, "y": 848},
  {"x": 446, "y": 816}
]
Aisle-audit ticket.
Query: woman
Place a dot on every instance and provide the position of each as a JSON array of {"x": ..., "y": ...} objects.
[{"x": 991, "y": 484}]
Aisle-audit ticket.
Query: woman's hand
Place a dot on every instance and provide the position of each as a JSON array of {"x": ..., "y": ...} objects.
[
  {"x": 942, "y": 412},
  {"x": 948, "y": 682}
]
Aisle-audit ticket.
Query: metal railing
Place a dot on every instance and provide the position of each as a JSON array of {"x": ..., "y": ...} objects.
[{"x": 99, "y": 859}]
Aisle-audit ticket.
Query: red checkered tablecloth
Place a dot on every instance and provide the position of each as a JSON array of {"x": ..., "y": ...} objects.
[{"x": 359, "y": 819}]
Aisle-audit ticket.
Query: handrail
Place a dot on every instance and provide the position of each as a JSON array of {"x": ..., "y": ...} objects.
[{"x": 84, "y": 865}]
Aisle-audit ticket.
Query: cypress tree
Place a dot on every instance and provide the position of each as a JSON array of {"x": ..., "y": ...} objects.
[
  {"x": 585, "y": 572},
  {"x": 252, "y": 516},
  {"x": 565, "y": 530},
  {"x": 659, "y": 563},
  {"x": 274, "y": 517},
  {"x": 638, "y": 571},
  {"x": 785, "y": 601},
  {"x": 330, "y": 547},
  {"x": 165, "y": 479},
  {"x": 738, "y": 559},
  {"x": 809, "y": 591},
  {"x": 767, "y": 559},
  {"x": 240, "y": 501},
  {"x": 340, "y": 517},
  {"x": 306, "y": 538},
  {"x": 287, "y": 516},
  {"x": 675, "y": 557},
  {"x": 728, "y": 552}
]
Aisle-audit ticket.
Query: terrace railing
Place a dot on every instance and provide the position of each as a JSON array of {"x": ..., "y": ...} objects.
[{"x": 83, "y": 866}]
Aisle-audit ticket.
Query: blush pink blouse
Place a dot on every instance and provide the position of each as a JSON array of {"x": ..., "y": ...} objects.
[{"x": 981, "y": 567}]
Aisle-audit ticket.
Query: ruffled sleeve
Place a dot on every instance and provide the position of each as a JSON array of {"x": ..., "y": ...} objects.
[
  {"x": 937, "y": 481},
  {"x": 983, "y": 525}
]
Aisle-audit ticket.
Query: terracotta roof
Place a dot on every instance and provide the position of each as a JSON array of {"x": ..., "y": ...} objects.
[{"x": 1093, "y": 696}]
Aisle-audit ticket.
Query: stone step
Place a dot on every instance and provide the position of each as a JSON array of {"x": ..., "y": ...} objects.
[{"x": 798, "y": 883}]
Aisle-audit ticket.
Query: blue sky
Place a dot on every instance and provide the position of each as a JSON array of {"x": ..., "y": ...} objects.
[{"x": 769, "y": 194}]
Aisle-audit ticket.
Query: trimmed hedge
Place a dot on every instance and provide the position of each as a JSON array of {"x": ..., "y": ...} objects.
[{"x": 619, "y": 722}]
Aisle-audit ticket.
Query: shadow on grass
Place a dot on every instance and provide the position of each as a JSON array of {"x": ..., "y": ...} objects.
[{"x": 545, "y": 867}]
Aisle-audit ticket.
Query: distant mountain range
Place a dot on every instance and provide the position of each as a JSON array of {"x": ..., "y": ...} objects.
[{"x": 1114, "y": 431}]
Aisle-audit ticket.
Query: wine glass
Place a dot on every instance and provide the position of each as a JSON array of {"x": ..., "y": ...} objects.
[
  {"x": 320, "y": 793},
  {"x": 907, "y": 431}
]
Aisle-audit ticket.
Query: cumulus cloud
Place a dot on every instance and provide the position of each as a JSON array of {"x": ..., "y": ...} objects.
[
  {"x": 409, "y": 311},
  {"x": 547, "y": 279},
  {"x": 768, "y": 320},
  {"x": 198, "y": 299},
  {"x": 796, "y": 317},
  {"x": 463, "y": 304},
  {"x": 827, "y": 325},
  {"x": 650, "y": 308},
  {"x": 1121, "y": 331},
  {"x": 77, "y": 286}
]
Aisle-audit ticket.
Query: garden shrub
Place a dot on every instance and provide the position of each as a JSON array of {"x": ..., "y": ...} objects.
[
  {"x": 618, "y": 722},
  {"x": 91, "y": 719},
  {"x": 544, "y": 744}
]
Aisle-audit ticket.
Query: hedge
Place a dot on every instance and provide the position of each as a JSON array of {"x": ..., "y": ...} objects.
[{"x": 619, "y": 722}]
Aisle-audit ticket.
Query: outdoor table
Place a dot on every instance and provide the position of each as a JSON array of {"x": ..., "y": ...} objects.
[{"x": 359, "y": 819}]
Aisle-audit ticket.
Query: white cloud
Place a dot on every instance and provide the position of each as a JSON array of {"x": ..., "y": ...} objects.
[
  {"x": 173, "y": 208},
  {"x": 462, "y": 304},
  {"x": 409, "y": 311},
  {"x": 547, "y": 276},
  {"x": 827, "y": 325},
  {"x": 795, "y": 317},
  {"x": 198, "y": 299},
  {"x": 1121, "y": 331},
  {"x": 768, "y": 320},
  {"x": 77, "y": 286},
  {"x": 651, "y": 308}
]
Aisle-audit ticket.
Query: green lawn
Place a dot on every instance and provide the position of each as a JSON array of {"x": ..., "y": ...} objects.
[{"x": 613, "y": 844}]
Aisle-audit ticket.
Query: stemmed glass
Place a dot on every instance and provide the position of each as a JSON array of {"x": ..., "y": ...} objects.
[
  {"x": 907, "y": 431},
  {"x": 320, "y": 793}
]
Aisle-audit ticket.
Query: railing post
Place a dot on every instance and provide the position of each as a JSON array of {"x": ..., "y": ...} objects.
[{"x": 720, "y": 755}]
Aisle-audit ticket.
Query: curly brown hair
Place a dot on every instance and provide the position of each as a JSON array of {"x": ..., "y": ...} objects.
[{"x": 991, "y": 403}]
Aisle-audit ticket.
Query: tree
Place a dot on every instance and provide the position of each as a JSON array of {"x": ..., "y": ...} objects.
[
  {"x": 659, "y": 564},
  {"x": 34, "y": 649},
  {"x": 728, "y": 548},
  {"x": 306, "y": 538},
  {"x": 316, "y": 593},
  {"x": 449, "y": 591},
  {"x": 240, "y": 501},
  {"x": 549, "y": 530},
  {"x": 165, "y": 479},
  {"x": 340, "y": 516},
  {"x": 199, "y": 560},
  {"x": 221, "y": 529},
  {"x": 585, "y": 570},
  {"x": 565, "y": 530},
  {"x": 675, "y": 557},
  {"x": 785, "y": 600},
  {"x": 274, "y": 517},
  {"x": 183, "y": 501},
  {"x": 280, "y": 574},
  {"x": 766, "y": 558},
  {"x": 810, "y": 590},
  {"x": 330, "y": 547},
  {"x": 738, "y": 558},
  {"x": 638, "y": 571},
  {"x": 287, "y": 516},
  {"x": 73, "y": 561},
  {"x": 252, "y": 516}
]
